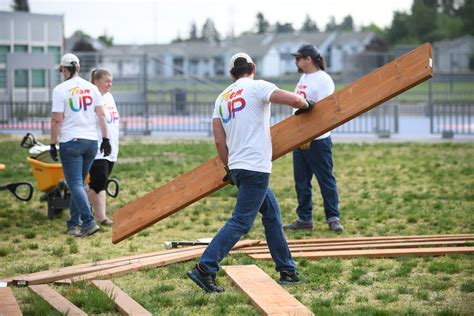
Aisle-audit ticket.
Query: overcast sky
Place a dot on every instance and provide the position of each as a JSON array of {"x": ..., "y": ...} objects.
[{"x": 160, "y": 21}]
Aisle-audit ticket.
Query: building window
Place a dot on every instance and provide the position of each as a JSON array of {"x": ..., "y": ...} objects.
[
  {"x": 38, "y": 78},
  {"x": 4, "y": 50},
  {"x": 20, "y": 48},
  {"x": 37, "y": 49},
  {"x": 3, "y": 79},
  {"x": 56, "y": 50},
  {"x": 21, "y": 78}
]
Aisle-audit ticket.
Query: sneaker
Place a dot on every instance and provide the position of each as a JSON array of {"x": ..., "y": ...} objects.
[
  {"x": 72, "y": 231},
  {"x": 87, "y": 231},
  {"x": 287, "y": 277},
  {"x": 107, "y": 222},
  {"x": 204, "y": 280},
  {"x": 296, "y": 225},
  {"x": 336, "y": 226}
]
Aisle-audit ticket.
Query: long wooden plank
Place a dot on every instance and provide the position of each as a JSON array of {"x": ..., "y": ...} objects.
[
  {"x": 309, "y": 248},
  {"x": 375, "y": 253},
  {"x": 56, "y": 300},
  {"x": 8, "y": 304},
  {"x": 267, "y": 295},
  {"x": 360, "y": 243},
  {"x": 125, "y": 304},
  {"x": 338, "y": 108},
  {"x": 153, "y": 262},
  {"x": 68, "y": 272},
  {"x": 375, "y": 238}
]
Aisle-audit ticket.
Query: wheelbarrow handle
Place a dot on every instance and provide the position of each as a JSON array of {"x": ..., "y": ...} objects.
[
  {"x": 28, "y": 141},
  {"x": 13, "y": 186},
  {"x": 109, "y": 190}
]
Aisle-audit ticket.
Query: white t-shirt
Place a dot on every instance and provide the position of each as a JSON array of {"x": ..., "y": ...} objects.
[
  {"x": 113, "y": 120},
  {"x": 315, "y": 86},
  {"x": 244, "y": 110},
  {"x": 77, "y": 98}
]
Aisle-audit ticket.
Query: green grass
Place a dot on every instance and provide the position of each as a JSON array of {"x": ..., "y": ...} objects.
[{"x": 385, "y": 189}]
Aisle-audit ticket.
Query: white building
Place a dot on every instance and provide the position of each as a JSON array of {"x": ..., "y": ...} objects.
[{"x": 30, "y": 50}]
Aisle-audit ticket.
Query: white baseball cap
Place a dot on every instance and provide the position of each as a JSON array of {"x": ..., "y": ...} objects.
[
  {"x": 239, "y": 55},
  {"x": 69, "y": 60}
]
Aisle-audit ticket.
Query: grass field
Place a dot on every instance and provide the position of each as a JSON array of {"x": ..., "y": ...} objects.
[{"x": 385, "y": 189}]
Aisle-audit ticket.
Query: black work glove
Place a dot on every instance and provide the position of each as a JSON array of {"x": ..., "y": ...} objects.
[
  {"x": 105, "y": 147},
  {"x": 53, "y": 152},
  {"x": 310, "y": 105},
  {"x": 227, "y": 177}
]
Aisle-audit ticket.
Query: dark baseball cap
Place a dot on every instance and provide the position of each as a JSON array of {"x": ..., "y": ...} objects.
[{"x": 306, "y": 50}]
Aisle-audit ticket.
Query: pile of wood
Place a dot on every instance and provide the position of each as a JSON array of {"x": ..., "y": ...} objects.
[{"x": 373, "y": 247}]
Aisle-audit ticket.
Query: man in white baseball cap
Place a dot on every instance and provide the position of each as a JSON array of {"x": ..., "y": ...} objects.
[
  {"x": 69, "y": 60},
  {"x": 241, "y": 125}
]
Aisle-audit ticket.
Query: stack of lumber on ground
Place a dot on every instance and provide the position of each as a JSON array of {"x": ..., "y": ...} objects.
[
  {"x": 354, "y": 99},
  {"x": 375, "y": 247},
  {"x": 112, "y": 267},
  {"x": 267, "y": 295}
]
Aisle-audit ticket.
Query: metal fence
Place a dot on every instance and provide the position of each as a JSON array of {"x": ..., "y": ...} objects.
[
  {"x": 147, "y": 118},
  {"x": 452, "y": 118}
]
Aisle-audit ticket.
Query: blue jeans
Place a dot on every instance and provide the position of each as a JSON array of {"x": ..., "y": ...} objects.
[
  {"x": 254, "y": 196},
  {"x": 316, "y": 160},
  {"x": 77, "y": 156}
]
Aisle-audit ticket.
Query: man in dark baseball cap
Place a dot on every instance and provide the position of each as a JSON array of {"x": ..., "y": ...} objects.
[{"x": 307, "y": 50}]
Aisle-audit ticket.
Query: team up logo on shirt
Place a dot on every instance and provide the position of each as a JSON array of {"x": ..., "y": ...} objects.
[
  {"x": 80, "y": 99},
  {"x": 301, "y": 90},
  {"x": 235, "y": 103},
  {"x": 113, "y": 114}
]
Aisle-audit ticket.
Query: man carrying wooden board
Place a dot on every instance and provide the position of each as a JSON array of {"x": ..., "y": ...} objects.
[{"x": 241, "y": 125}]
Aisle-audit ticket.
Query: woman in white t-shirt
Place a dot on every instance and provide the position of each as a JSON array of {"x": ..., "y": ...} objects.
[
  {"x": 76, "y": 112},
  {"x": 103, "y": 165}
]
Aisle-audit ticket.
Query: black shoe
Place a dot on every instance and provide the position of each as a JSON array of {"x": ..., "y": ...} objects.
[
  {"x": 204, "y": 280},
  {"x": 287, "y": 277},
  {"x": 296, "y": 225}
]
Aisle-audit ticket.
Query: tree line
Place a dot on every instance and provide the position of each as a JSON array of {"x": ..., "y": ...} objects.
[{"x": 427, "y": 21}]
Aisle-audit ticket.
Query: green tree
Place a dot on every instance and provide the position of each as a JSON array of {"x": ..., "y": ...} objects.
[
  {"x": 209, "y": 32},
  {"x": 106, "y": 40},
  {"x": 20, "y": 5},
  {"x": 373, "y": 28},
  {"x": 331, "y": 25},
  {"x": 423, "y": 20},
  {"x": 284, "y": 28},
  {"x": 309, "y": 25},
  {"x": 262, "y": 25},
  {"x": 347, "y": 24},
  {"x": 466, "y": 12},
  {"x": 193, "y": 33},
  {"x": 400, "y": 30}
]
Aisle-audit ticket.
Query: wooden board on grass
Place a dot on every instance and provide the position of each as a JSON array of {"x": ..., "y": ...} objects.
[
  {"x": 8, "y": 304},
  {"x": 126, "y": 304},
  {"x": 351, "y": 101},
  {"x": 56, "y": 300},
  {"x": 264, "y": 292},
  {"x": 374, "y": 253},
  {"x": 153, "y": 262}
]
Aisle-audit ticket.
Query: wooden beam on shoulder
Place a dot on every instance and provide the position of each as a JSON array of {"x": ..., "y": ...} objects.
[{"x": 356, "y": 98}]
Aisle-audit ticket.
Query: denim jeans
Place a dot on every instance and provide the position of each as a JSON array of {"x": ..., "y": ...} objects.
[
  {"x": 316, "y": 160},
  {"x": 254, "y": 196},
  {"x": 77, "y": 156}
]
